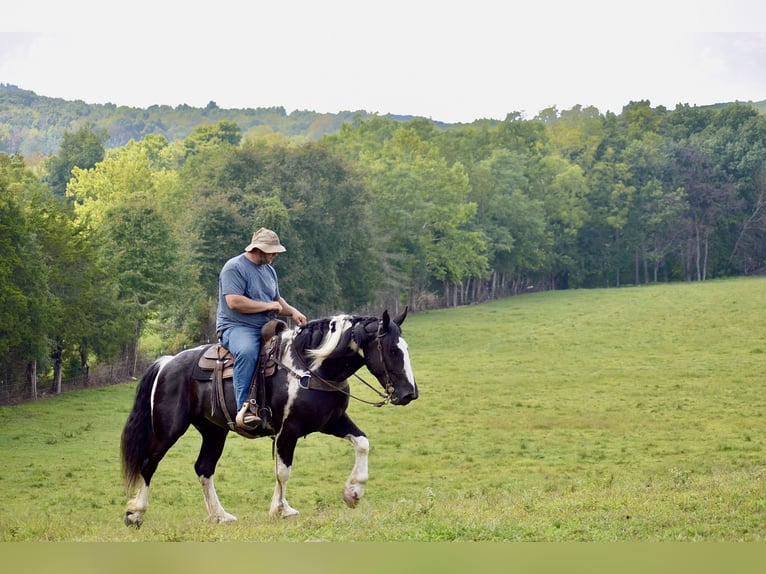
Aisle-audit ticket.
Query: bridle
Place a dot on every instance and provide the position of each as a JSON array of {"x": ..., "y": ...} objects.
[{"x": 305, "y": 378}]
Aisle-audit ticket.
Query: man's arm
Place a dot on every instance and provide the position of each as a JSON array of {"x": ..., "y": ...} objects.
[{"x": 243, "y": 304}]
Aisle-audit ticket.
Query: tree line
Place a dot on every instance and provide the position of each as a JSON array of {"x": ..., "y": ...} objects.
[
  {"x": 33, "y": 125},
  {"x": 115, "y": 252}
]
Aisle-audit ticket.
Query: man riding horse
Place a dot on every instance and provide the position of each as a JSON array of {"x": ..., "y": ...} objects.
[
  {"x": 248, "y": 297},
  {"x": 307, "y": 390}
]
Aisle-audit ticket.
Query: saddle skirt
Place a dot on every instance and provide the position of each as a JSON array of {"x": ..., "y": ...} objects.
[{"x": 215, "y": 356}]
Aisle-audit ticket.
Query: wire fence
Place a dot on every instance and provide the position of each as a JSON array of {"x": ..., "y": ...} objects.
[{"x": 20, "y": 389}]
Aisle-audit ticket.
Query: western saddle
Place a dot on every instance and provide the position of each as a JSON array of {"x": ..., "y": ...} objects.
[{"x": 217, "y": 365}]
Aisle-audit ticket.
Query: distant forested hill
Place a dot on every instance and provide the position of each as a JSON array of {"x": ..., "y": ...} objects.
[{"x": 32, "y": 124}]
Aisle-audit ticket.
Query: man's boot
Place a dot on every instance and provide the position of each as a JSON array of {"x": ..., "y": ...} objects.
[{"x": 247, "y": 418}]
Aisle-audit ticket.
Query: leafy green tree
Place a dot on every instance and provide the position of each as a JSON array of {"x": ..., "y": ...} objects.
[
  {"x": 212, "y": 135},
  {"x": 576, "y": 134},
  {"x": 735, "y": 142},
  {"x": 25, "y": 303},
  {"x": 662, "y": 220},
  {"x": 611, "y": 202},
  {"x": 308, "y": 196},
  {"x": 143, "y": 255},
  {"x": 563, "y": 189},
  {"x": 655, "y": 214},
  {"x": 336, "y": 264},
  {"x": 126, "y": 207},
  {"x": 468, "y": 145},
  {"x": 83, "y": 148},
  {"x": 362, "y": 138},
  {"x": 425, "y": 215},
  {"x": 637, "y": 119},
  {"x": 709, "y": 196},
  {"x": 686, "y": 121},
  {"x": 62, "y": 249},
  {"x": 513, "y": 222}
]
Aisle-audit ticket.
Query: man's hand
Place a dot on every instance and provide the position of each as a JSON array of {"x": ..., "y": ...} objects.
[
  {"x": 274, "y": 306},
  {"x": 290, "y": 311},
  {"x": 298, "y": 317}
]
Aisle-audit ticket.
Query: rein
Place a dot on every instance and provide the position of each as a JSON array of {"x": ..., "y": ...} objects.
[{"x": 308, "y": 375}]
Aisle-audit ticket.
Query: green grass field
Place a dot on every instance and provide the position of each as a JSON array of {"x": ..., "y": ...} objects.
[{"x": 633, "y": 414}]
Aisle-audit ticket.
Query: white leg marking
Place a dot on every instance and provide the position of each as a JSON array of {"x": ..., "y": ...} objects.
[
  {"x": 215, "y": 511},
  {"x": 279, "y": 506},
  {"x": 354, "y": 489},
  {"x": 137, "y": 506}
]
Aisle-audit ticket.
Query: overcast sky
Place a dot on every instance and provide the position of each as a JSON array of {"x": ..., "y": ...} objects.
[{"x": 447, "y": 60}]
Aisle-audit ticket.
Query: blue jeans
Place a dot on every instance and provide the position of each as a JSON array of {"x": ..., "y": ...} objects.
[{"x": 245, "y": 344}]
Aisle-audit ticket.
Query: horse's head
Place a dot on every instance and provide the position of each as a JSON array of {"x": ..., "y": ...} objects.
[{"x": 388, "y": 359}]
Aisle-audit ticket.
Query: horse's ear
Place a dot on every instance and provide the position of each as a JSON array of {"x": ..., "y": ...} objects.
[
  {"x": 400, "y": 319},
  {"x": 386, "y": 321}
]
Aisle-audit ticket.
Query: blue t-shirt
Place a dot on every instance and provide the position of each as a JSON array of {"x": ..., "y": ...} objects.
[{"x": 240, "y": 276}]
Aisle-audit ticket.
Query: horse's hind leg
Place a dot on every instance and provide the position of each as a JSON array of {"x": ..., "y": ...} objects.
[
  {"x": 164, "y": 437},
  {"x": 138, "y": 505},
  {"x": 353, "y": 490},
  {"x": 213, "y": 441}
]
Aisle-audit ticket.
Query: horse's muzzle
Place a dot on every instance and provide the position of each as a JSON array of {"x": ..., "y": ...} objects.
[{"x": 404, "y": 399}]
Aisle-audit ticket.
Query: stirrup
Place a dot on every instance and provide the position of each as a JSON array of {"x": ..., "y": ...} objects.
[{"x": 247, "y": 419}]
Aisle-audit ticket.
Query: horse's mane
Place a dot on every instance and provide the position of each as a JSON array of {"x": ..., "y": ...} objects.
[{"x": 322, "y": 337}]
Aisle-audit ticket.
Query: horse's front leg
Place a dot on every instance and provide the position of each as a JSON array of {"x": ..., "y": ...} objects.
[
  {"x": 345, "y": 428},
  {"x": 285, "y": 449},
  {"x": 354, "y": 489}
]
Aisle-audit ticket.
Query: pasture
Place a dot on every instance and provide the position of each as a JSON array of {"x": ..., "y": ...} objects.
[{"x": 632, "y": 414}]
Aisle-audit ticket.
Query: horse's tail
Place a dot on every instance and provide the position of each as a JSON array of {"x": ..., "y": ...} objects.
[{"x": 137, "y": 434}]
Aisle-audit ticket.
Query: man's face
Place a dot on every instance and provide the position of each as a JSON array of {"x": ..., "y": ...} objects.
[{"x": 266, "y": 258}]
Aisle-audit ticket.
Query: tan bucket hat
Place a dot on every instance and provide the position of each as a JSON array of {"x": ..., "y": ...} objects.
[{"x": 265, "y": 240}]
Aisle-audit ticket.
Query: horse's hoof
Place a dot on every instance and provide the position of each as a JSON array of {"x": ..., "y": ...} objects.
[
  {"x": 223, "y": 519},
  {"x": 133, "y": 520},
  {"x": 287, "y": 512},
  {"x": 352, "y": 496}
]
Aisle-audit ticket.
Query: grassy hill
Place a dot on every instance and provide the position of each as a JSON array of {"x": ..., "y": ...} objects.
[{"x": 634, "y": 414}]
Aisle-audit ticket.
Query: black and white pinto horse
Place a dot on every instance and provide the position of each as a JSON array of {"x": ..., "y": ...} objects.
[{"x": 308, "y": 393}]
